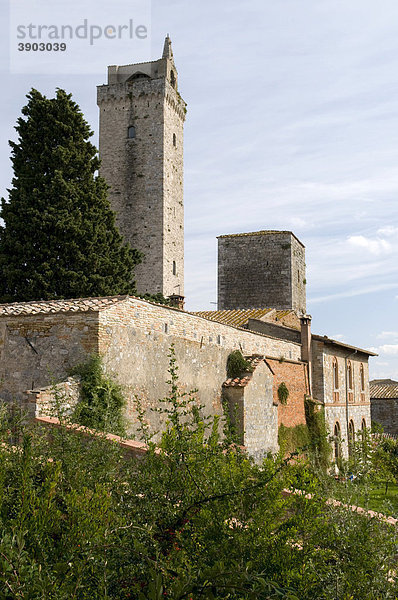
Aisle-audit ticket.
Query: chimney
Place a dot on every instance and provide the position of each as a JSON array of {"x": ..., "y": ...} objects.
[
  {"x": 177, "y": 301},
  {"x": 306, "y": 349}
]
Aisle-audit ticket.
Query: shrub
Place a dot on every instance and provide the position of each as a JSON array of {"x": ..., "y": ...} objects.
[
  {"x": 102, "y": 402},
  {"x": 283, "y": 393},
  {"x": 237, "y": 364}
]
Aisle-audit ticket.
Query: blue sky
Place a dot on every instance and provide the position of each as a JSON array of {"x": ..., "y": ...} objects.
[{"x": 292, "y": 124}]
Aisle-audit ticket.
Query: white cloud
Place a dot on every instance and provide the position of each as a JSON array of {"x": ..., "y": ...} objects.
[
  {"x": 388, "y": 230},
  {"x": 353, "y": 292},
  {"x": 390, "y": 349},
  {"x": 374, "y": 246},
  {"x": 387, "y": 334}
]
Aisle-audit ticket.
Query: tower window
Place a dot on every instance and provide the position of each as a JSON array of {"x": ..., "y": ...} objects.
[
  {"x": 131, "y": 132},
  {"x": 174, "y": 268},
  {"x": 174, "y": 139},
  {"x": 172, "y": 78}
]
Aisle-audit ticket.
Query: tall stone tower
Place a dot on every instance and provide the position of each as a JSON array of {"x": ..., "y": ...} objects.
[
  {"x": 264, "y": 269},
  {"x": 141, "y": 148}
]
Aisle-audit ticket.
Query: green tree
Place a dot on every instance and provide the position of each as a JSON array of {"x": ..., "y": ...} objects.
[
  {"x": 59, "y": 238},
  {"x": 195, "y": 519}
]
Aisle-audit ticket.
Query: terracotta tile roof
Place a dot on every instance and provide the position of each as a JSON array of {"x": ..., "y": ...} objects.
[
  {"x": 262, "y": 232},
  {"x": 254, "y": 361},
  {"x": 56, "y": 306},
  {"x": 383, "y": 388},
  {"x": 238, "y": 317}
]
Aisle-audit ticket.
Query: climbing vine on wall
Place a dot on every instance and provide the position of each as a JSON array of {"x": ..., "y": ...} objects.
[
  {"x": 283, "y": 393},
  {"x": 102, "y": 402}
]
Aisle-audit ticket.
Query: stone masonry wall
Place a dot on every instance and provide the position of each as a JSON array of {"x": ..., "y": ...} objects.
[
  {"x": 358, "y": 404},
  {"x": 38, "y": 349},
  {"x": 145, "y": 173},
  {"x": 259, "y": 270},
  {"x": 260, "y": 414},
  {"x": 274, "y": 330},
  {"x": 173, "y": 219},
  {"x": 135, "y": 337},
  {"x": 298, "y": 275},
  {"x": 385, "y": 412},
  {"x": 46, "y": 401}
]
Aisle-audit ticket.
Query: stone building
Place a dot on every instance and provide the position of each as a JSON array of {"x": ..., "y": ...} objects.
[
  {"x": 384, "y": 404},
  {"x": 41, "y": 341},
  {"x": 141, "y": 120},
  {"x": 261, "y": 297},
  {"x": 259, "y": 269},
  {"x": 336, "y": 375}
]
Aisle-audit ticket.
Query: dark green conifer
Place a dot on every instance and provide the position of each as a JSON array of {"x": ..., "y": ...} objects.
[{"x": 59, "y": 238}]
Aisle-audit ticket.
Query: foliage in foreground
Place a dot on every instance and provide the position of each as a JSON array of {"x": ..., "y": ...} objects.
[
  {"x": 196, "y": 519},
  {"x": 102, "y": 403}
]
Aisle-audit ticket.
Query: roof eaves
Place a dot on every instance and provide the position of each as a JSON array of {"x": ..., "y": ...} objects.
[{"x": 331, "y": 342}]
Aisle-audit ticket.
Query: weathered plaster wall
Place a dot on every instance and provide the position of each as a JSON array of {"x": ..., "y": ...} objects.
[{"x": 38, "y": 349}]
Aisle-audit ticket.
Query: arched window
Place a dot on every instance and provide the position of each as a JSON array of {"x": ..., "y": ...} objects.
[
  {"x": 172, "y": 78},
  {"x": 337, "y": 441},
  {"x": 351, "y": 437},
  {"x": 350, "y": 382},
  {"x": 362, "y": 377},
  {"x": 335, "y": 380},
  {"x": 363, "y": 425},
  {"x": 174, "y": 140},
  {"x": 131, "y": 132}
]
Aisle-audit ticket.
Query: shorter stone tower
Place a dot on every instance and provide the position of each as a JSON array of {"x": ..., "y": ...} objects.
[
  {"x": 264, "y": 269},
  {"x": 141, "y": 148}
]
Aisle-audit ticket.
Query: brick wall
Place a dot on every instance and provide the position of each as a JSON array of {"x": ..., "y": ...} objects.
[{"x": 294, "y": 375}]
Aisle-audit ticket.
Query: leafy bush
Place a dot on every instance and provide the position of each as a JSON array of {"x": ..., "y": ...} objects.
[
  {"x": 283, "y": 393},
  {"x": 195, "y": 519},
  {"x": 102, "y": 402},
  {"x": 237, "y": 364},
  {"x": 291, "y": 439}
]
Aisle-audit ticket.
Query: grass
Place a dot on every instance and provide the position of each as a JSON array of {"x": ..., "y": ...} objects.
[
  {"x": 373, "y": 497},
  {"x": 381, "y": 501}
]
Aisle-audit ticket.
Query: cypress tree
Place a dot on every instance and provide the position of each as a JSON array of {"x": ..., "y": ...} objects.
[{"x": 59, "y": 238}]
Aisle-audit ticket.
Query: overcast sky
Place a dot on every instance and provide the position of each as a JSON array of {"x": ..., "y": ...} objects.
[{"x": 292, "y": 124}]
